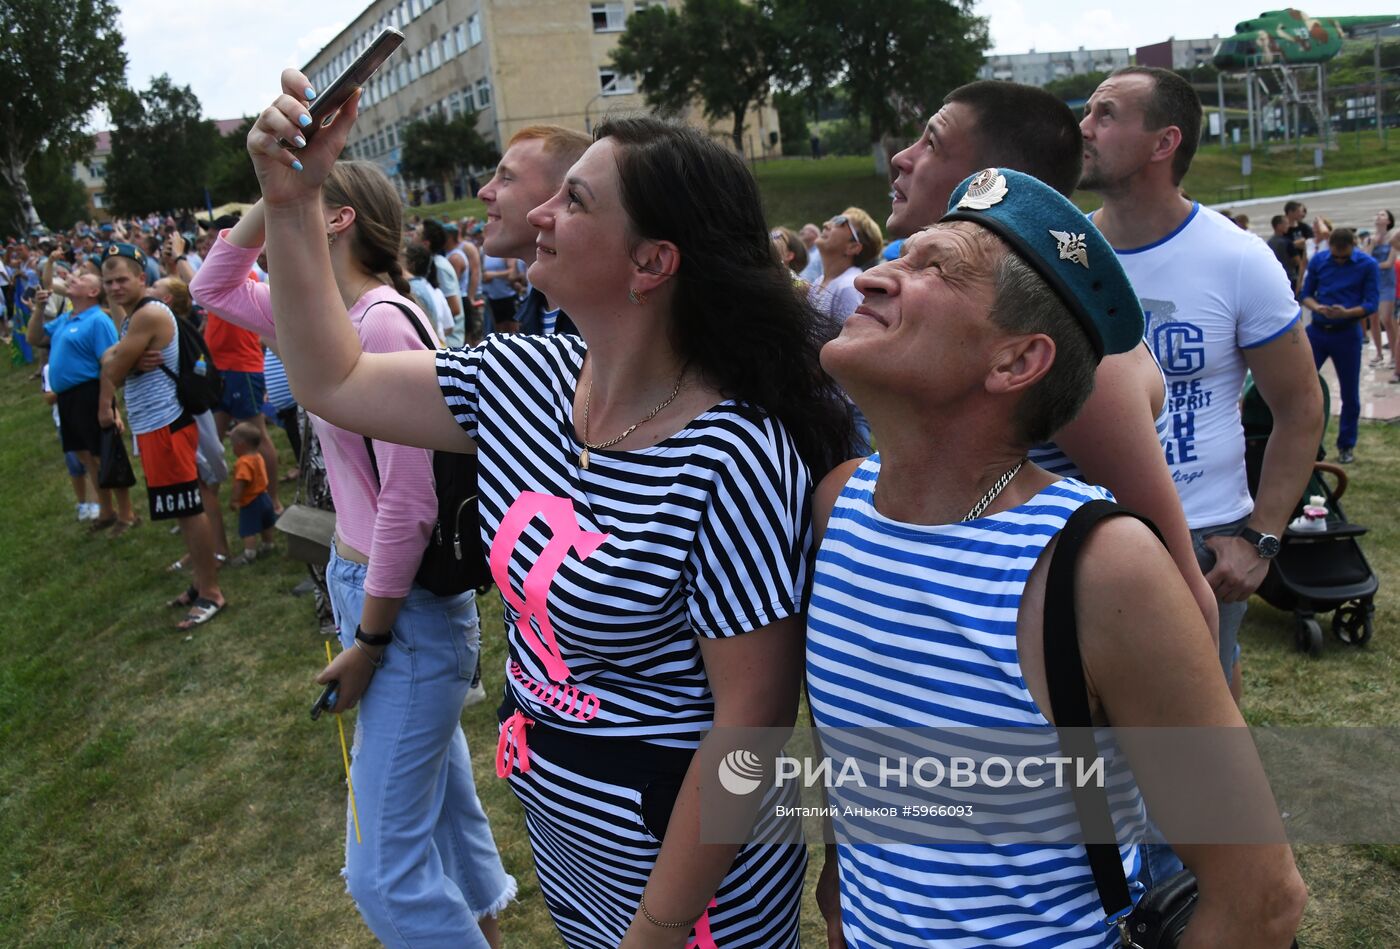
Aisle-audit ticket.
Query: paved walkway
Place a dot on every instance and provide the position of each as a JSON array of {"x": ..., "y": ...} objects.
[
  {"x": 1346, "y": 207},
  {"x": 1379, "y": 399}
]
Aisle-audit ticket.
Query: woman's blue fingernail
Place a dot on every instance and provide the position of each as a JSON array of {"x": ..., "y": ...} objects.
[
  {"x": 296, "y": 165},
  {"x": 310, "y": 93},
  {"x": 304, "y": 119},
  {"x": 301, "y": 142}
]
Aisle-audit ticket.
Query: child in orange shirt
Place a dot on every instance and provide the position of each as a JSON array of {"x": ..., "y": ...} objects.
[{"x": 250, "y": 498}]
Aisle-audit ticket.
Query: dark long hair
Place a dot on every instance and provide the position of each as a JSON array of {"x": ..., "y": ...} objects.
[{"x": 735, "y": 314}]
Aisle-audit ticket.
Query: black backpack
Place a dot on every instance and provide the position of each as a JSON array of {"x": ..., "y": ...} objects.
[
  {"x": 198, "y": 384},
  {"x": 454, "y": 560}
]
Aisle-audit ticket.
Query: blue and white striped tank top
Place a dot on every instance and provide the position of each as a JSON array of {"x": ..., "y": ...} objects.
[
  {"x": 914, "y": 626},
  {"x": 279, "y": 390},
  {"x": 1053, "y": 459},
  {"x": 151, "y": 398}
]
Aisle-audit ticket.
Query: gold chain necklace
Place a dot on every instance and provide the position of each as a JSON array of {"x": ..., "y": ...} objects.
[{"x": 588, "y": 398}]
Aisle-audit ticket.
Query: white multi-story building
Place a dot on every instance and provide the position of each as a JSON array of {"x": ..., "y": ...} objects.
[{"x": 1037, "y": 69}]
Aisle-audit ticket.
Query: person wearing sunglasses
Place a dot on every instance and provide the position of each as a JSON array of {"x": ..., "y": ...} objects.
[{"x": 849, "y": 242}]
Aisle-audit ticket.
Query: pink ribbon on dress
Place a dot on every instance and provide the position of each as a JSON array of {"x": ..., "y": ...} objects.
[{"x": 512, "y": 749}]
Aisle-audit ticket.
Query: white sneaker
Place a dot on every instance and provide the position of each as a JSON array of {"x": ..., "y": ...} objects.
[
  {"x": 83, "y": 512},
  {"x": 475, "y": 695},
  {"x": 89, "y": 511}
]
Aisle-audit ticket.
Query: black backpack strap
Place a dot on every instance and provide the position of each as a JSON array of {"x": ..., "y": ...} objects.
[
  {"x": 426, "y": 341},
  {"x": 1069, "y": 700}
]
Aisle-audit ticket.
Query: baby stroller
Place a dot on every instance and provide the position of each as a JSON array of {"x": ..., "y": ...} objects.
[{"x": 1315, "y": 571}]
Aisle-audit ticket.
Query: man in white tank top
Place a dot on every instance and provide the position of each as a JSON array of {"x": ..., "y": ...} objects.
[
  {"x": 979, "y": 342},
  {"x": 1217, "y": 304},
  {"x": 168, "y": 436}
]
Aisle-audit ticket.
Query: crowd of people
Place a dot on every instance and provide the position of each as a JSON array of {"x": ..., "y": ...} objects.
[{"x": 816, "y": 458}]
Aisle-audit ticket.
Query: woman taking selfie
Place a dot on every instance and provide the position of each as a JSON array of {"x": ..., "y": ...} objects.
[{"x": 644, "y": 500}]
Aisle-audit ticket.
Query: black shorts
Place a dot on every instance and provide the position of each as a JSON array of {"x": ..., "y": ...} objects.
[{"x": 77, "y": 418}]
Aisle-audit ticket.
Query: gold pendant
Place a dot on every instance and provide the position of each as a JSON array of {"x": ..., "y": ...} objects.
[{"x": 583, "y": 459}]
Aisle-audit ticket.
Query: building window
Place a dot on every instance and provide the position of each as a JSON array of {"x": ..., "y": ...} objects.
[
  {"x": 459, "y": 36},
  {"x": 483, "y": 93},
  {"x": 97, "y": 200},
  {"x": 454, "y": 105},
  {"x": 474, "y": 29},
  {"x": 645, "y": 4},
  {"x": 97, "y": 171},
  {"x": 413, "y": 9},
  {"x": 447, "y": 50},
  {"x": 408, "y": 71},
  {"x": 434, "y": 60},
  {"x": 608, "y": 17},
  {"x": 612, "y": 83}
]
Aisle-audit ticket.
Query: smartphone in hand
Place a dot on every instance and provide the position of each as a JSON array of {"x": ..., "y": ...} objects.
[
  {"x": 326, "y": 701},
  {"x": 326, "y": 106}
]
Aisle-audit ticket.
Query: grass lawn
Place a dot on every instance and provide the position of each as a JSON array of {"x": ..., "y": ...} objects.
[
  {"x": 796, "y": 190},
  {"x": 160, "y": 789}
]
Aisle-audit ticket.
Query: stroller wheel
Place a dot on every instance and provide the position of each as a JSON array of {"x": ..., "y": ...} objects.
[
  {"x": 1308, "y": 636},
  {"x": 1353, "y": 623}
]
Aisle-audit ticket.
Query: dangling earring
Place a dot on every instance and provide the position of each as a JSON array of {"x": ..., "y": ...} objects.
[
  {"x": 638, "y": 298},
  {"x": 330, "y": 238}
]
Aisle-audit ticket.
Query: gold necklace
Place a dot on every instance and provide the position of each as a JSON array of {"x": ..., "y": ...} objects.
[{"x": 588, "y": 398}]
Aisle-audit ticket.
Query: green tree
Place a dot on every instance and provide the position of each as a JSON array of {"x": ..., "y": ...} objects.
[
  {"x": 59, "y": 59},
  {"x": 792, "y": 122},
  {"x": 436, "y": 148},
  {"x": 162, "y": 149},
  {"x": 58, "y": 197},
  {"x": 725, "y": 53},
  {"x": 231, "y": 175},
  {"x": 893, "y": 61}
]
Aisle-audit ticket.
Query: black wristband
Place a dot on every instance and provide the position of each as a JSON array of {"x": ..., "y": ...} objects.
[{"x": 374, "y": 639}]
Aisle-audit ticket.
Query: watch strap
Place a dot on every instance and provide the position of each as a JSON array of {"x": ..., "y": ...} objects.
[
  {"x": 1257, "y": 539},
  {"x": 374, "y": 639}
]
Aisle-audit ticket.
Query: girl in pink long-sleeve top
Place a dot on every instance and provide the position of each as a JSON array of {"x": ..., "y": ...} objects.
[{"x": 427, "y": 870}]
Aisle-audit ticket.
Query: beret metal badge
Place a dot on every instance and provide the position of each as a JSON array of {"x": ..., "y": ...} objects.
[
  {"x": 985, "y": 190},
  {"x": 1072, "y": 247}
]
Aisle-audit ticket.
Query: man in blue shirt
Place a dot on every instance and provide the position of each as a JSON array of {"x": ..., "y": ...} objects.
[
  {"x": 76, "y": 343},
  {"x": 1341, "y": 289}
]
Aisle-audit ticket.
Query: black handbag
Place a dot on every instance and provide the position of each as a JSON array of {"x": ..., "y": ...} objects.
[
  {"x": 1161, "y": 915},
  {"x": 113, "y": 466}
]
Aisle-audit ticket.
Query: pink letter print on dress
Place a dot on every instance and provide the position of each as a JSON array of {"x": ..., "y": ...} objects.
[{"x": 567, "y": 535}]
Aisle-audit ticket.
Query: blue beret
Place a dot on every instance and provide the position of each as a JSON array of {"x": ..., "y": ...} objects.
[
  {"x": 1062, "y": 245},
  {"x": 450, "y": 228},
  {"x": 125, "y": 250}
]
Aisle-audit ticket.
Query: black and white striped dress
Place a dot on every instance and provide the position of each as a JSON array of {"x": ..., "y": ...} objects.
[{"x": 609, "y": 575}]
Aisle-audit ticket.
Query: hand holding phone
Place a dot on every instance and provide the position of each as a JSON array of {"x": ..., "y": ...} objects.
[
  {"x": 328, "y": 102},
  {"x": 326, "y": 701}
]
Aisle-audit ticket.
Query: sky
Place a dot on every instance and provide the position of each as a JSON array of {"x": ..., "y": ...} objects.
[{"x": 231, "y": 52}]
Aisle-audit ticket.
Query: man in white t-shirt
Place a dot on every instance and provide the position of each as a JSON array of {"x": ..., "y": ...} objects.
[{"x": 1217, "y": 304}]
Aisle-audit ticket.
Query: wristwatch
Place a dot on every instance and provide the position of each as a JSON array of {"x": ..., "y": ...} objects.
[
  {"x": 1266, "y": 544},
  {"x": 384, "y": 639}
]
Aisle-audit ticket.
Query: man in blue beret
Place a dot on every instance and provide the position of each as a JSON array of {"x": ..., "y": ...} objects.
[
  {"x": 1217, "y": 305},
  {"x": 931, "y": 580},
  {"x": 1114, "y": 441}
]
